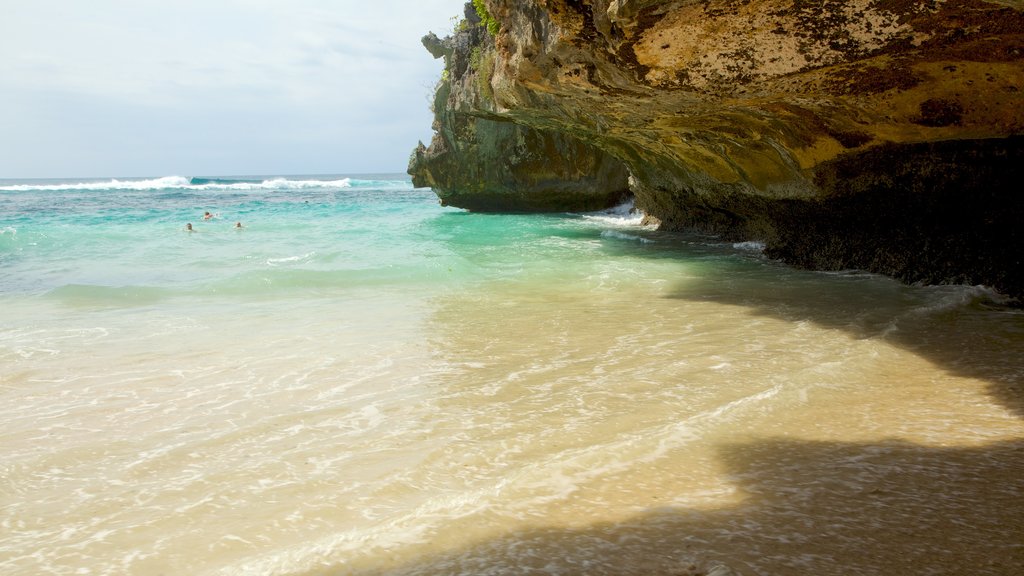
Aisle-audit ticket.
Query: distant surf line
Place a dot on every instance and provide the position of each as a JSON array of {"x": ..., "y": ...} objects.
[{"x": 181, "y": 183}]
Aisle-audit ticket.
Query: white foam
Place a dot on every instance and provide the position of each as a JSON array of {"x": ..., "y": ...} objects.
[
  {"x": 279, "y": 183},
  {"x": 623, "y": 215},
  {"x": 623, "y": 236},
  {"x": 114, "y": 184},
  {"x": 289, "y": 259},
  {"x": 183, "y": 183},
  {"x": 952, "y": 297},
  {"x": 749, "y": 246}
]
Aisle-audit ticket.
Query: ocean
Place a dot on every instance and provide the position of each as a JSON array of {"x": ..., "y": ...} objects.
[{"x": 359, "y": 381}]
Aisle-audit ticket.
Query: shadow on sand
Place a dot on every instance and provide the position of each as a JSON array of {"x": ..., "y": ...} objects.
[
  {"x": 959, "y": 329},
  {"x": 819, "y": 508}
]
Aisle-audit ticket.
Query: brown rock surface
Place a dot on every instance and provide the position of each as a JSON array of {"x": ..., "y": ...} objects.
[{"x": 876, "y": 134}]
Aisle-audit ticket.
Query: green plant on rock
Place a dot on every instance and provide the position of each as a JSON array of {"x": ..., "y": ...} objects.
[
  {"x": 484, "y": 71},
  {"x": 481, "y": 62},
  {"x": 474, "y": 58},
  {"x": 486, "y": 19},
  {"x": 458, "y": 24}
]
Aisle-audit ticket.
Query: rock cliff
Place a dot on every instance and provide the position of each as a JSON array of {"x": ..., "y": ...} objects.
[{"x": 875, "y": 134}]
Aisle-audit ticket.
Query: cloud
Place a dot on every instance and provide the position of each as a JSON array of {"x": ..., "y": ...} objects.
[{"x": 260, "y": 71}]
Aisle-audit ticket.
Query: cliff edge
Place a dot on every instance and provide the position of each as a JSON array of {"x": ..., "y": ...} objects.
[{"x": 884, "y": 135}]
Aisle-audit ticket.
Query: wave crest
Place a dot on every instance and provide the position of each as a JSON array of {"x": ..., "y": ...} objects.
[{"x": 196, "y": 183}]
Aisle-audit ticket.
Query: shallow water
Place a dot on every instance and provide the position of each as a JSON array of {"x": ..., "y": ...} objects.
[{"x": 362, "y": 382}]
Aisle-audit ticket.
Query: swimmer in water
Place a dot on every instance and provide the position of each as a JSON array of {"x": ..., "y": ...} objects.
[
  {"x": 238, "y": 225},
  {"x": 188, "y": 227},
  {"x": 207, "y": 216}
]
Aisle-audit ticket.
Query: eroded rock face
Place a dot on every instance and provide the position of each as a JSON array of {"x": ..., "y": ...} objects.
[
  {"x": 500, "y": 166},
  {"x": 483, "y": 161},
  {"x": 875, "y": 134}
]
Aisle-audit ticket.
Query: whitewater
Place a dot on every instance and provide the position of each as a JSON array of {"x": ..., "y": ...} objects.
[{"x": 361, "y": 381}]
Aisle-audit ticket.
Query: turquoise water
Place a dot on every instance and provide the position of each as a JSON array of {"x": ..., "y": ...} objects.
[
  {"x": 122, "y": 240},
  {"x": 360, "y": 381},
  {"x": 129, "y": 239}
]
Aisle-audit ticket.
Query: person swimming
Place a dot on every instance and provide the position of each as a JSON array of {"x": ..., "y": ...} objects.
[
  {"x": 207, "y": 216},
  {"x": 188, "y": 227},
  {"x": 238, "y": 225}
]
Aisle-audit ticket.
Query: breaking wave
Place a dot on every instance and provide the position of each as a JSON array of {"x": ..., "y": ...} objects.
[{"x": 197, "y": 183}]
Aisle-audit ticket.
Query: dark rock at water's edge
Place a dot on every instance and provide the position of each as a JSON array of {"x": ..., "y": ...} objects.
[
  {"x": 882, "y": 135},
  {"x": 942, "y": 212}
]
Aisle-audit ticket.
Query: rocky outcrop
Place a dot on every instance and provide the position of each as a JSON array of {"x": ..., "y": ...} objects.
[
  {"x": 484, "y": 161},
  {"x": 873, "y": 134}
]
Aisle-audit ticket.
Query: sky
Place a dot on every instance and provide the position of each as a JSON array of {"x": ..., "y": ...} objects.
[{"x": 137, "y": 88}]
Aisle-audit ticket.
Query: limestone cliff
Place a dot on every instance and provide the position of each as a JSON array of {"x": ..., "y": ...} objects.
[
  {"x": 483, "y": 161},
  {"x": 873, "y": 134}
]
